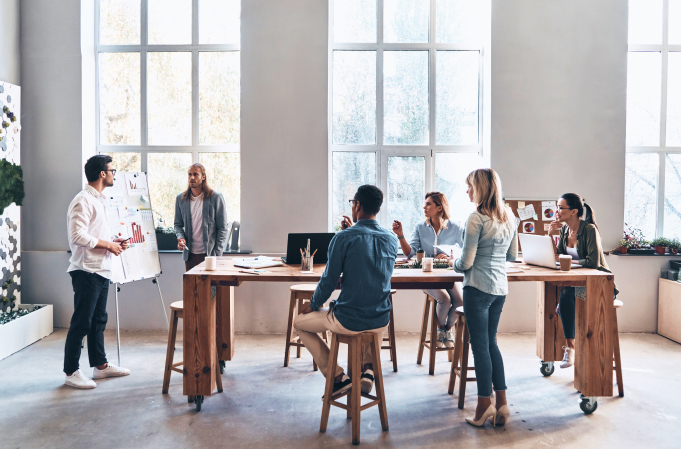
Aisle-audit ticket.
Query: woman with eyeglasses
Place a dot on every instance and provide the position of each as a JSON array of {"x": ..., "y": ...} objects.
[
  {"x": 436, "y": 229},
  {"x": 578, "y": 237},
  {"x": 490, "y": 240}
]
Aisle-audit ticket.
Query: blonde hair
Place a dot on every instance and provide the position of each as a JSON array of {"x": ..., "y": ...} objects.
[
  {"x": 486, "y": 186},
  {"x": 207, "y": 191},
  {"x": 439, "y": 199}
]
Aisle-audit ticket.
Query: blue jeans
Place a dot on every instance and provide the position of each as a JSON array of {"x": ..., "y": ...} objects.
[
  {"x": 482, "y": 312},
  {"x": 566, "y": 311}
]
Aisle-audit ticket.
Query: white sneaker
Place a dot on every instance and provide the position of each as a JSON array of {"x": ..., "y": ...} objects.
[
  {"x": 80, "y": 380},
  {"x": 449, "y": 342},
  {"x": 568, "y": 358},
  {"x": 441, "y": 337},
  {"x": 110, "y": 371}
]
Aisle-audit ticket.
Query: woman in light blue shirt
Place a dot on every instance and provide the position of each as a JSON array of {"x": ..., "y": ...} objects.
[
  {"x": 436, "y": 230},
  {"x": 490, "y": 240}
]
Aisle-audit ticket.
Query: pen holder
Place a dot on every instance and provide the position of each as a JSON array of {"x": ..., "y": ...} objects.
[{"x": 307, "y": 263}]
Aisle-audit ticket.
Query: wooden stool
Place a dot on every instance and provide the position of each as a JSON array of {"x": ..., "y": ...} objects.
[
  {"x": 354, "y": 405},
  {"x": 431, "y": 344},
  {"x": 300, "y": 294},
  {"x": 176, "y": 312},
  {"x": 461, "y": 349},
  {"x": 391, "y": 334},
  {"x": 617, "y": 361}
]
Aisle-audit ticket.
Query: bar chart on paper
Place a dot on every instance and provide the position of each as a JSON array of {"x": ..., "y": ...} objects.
[{"x": 136, "y": 235}]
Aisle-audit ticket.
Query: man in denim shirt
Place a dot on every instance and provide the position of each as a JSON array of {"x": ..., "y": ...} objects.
[{"x": 365, "y": 254}]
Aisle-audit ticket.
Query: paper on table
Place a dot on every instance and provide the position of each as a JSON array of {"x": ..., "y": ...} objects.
[
  {"x": 526, "y": 213},
  {"x": 510, "y": 268},
  {"x": 548, "y": 210},
  {"x": 258, "y": 262}
]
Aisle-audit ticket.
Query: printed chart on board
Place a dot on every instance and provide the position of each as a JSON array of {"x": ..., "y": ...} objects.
[{"x": 128, "y": 211}]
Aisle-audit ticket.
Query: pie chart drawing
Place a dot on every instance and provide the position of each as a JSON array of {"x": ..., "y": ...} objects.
[
  {"x": 529, "y": 227},
  {"x": 548, "y": 213}
]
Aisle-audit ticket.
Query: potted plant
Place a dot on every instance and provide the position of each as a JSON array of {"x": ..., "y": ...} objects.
[
  {"x": 660, "y": 244},
  {"x": 165, "y": 238},
  {"x": 674, "y": 246},
  {"x": 624, "y": 246},
  {"x": 637, "y": 243}
]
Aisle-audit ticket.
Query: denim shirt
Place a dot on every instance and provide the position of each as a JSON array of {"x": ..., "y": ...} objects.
[
  {"x": 365, "y": 254},
  {"x": 487, "y": 246},
  {"x": 424, "y": 238}
]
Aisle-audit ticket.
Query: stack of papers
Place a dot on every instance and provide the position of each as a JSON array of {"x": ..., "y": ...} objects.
[
  {"x": 258, "y": 262},
  {"x": 513, "y": 268}
]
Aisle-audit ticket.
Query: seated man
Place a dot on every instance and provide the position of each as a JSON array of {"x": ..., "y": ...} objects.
[{"x": 365, "y": 254}]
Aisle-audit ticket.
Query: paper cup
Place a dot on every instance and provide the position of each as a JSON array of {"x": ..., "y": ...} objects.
[
  {"x": 420, "y": 255},
  {"x": 211, "y": 263},
  {"x": 565, "y": 262},
  {"x": 427, "y": 264}
]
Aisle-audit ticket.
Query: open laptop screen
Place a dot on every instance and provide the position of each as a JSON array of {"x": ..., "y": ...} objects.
[{"x": 318, "y": 241}]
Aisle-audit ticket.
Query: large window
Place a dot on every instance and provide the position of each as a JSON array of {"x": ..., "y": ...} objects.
[
  {"x": 168, "y": 86},
  {"x": 406, "y": 100},
  {"x": 653, "y": 163}
]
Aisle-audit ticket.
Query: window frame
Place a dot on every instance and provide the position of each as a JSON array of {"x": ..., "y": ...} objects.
[
  {"x": 143, "y": 48},
  {"x": 383, "y": 151},
  {"x": 662, "y": 150}
]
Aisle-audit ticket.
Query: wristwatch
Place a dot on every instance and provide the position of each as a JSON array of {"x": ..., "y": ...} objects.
[{"x": 400, "y": 237}]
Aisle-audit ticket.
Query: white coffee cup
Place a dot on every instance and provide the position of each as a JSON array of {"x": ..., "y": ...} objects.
[
  {"x": 427, "y": 263},
  {"x": 211, "y": 263}
]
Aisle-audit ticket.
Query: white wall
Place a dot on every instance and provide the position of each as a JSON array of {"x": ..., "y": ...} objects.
[
  {"x": 10, "y": 50},
  {"x": 558, "y": 98}
]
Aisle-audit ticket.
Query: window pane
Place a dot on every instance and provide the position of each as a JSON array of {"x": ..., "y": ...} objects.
[
  {"x": 119, "y": 22},
  {"x": 405, "y": 87},
  {"x": 170, "y": 21},
  {"x": 457, "y": 97},
  {"x": 644, "y": 80},
  {"x": 350, "y": 170},
  {"x": 126, "y": 161},
  {"x": 459, "y": 21},
  {"x": 674, "y": 100},
  {"x": 672, "y": 196},
  {"x": 354, "y": 21},
  {"x": 169, "y": 101},
  {"x": 451, "y": 170},
  {"x": 645, "y": 21},
  {"x": 405, "y": 20},
  {"x": 223, "y": 171},
  {"x": 354, "y": 97},
  {"x": 219, "y": 21},
  {"x": 640, "y": 205},
  {"x": 119, "y": 98},
  {"x": 406, "y": 181},
  {"x": 219, "y": 89},
  {"x": 674, "y": 22},
  {"x": 167, "y": 178}
]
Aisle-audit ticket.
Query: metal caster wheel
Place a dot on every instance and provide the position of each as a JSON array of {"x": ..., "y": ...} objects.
[
  {"x": 198, "y": 400},
  {"x": 547, "y": 368},
  {"x": 222, "y": 367},
  {"x": 588, "y": 404}
]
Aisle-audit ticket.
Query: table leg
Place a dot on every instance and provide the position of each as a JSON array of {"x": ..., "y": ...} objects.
[
  {"x": 225, "y": 322},
  {"x": 550, "y": 336},
  {"x": 199, "y": 349},
  {"x": 594, "y": 338}
]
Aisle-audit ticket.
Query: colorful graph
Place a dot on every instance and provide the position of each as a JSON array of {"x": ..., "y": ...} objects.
[
  {"x": 549, "y": 213},
  {"x": 137, "y": 236},
  {"x": 529, "y": 227}
]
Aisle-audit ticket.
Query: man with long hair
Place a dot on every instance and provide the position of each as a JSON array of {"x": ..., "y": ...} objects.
[{"x": 200, "y": 219}]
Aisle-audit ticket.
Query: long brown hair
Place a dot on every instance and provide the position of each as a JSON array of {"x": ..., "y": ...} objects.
[
  {"x": 576, "y": 202},
  {"x": 440, "y": 199},
  {"x": 486, "y": 186},
  {"x": 207, "y": 191}
]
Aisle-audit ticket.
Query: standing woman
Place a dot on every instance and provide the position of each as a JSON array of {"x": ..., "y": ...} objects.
[
  {"x": 490, "y": 240},
  {"x": 579, "y": 237},
  {"x": 437, "y": 229}
]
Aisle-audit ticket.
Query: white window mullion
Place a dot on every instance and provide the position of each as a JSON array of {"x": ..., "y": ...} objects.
[
  {"x": 195, "y": 98},
  {"x": 144, "y": 25},
  {"x": 660, "y": 195}
]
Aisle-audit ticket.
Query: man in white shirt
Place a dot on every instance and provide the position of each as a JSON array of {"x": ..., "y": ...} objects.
[{"x": 92, "y": 247}]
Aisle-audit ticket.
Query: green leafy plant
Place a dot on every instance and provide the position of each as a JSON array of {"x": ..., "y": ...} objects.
[
  {"x": 660, "y": 241},
  {"x": 635, "y": 238},
  {"x": 624, "y": 243},
  {"x": 6, "y": 317},
  {"x": 674, "y": 244},
  {"x": 162, "y": 230},
  {"x": 11, "y": 184}
]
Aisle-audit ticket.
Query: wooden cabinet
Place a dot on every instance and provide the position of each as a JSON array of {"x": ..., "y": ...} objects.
[{"x": 669, "y": 310}]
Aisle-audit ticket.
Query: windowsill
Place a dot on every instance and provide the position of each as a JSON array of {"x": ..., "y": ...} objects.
[
  {"x": 243, "y": 251},
  {"x": 645, "y": 255}
]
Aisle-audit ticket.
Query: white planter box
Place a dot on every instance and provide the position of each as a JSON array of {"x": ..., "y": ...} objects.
[{"x": 26, "y": 330}]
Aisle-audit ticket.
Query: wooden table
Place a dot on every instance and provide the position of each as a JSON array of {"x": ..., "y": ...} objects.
[{"x": 209, "y": 318}]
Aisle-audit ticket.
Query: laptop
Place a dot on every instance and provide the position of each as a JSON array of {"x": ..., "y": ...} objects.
[
  {"x": 538, "y": 250},
  {"x": 318, "y": 241}
]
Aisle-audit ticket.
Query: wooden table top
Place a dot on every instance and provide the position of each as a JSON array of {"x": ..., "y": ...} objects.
[{"x": 227, "y": 273}]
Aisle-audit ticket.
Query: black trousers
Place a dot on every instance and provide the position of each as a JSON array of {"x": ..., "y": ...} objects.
[{"x": 89, "y": 318}]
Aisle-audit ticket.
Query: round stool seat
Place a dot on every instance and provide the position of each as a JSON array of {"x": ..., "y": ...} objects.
[
  {"x": 177, "y": 305},
  {"x": 304, "y": 288},
  {"x": 459, "y": 310},
  {"x": 618, "y": 304}
]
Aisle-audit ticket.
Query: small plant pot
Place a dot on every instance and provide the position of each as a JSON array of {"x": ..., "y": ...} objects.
[
  {"x": 661, "y": 250},
  {"x": 623, "y": 249},
  {"x": 674, "y": 251}
]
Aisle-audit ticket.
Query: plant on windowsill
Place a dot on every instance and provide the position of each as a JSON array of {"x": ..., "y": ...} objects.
[
  {"x": 637, "y": 243},
  {"x": 660, "y": 244},
  {"x": 674, "y": 246},
  {"x": 624, "y": 246},
  {"x": 166, "y": 238}
]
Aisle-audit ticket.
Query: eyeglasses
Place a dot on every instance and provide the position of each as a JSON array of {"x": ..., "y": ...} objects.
[
  {"x": 564, "y": 208},
  {"x": 113, "y": 171},
  {"x": 352, "y": 202}
]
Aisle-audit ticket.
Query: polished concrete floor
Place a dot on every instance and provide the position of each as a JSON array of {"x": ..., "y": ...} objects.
[{"x": 267, "y": 405}]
